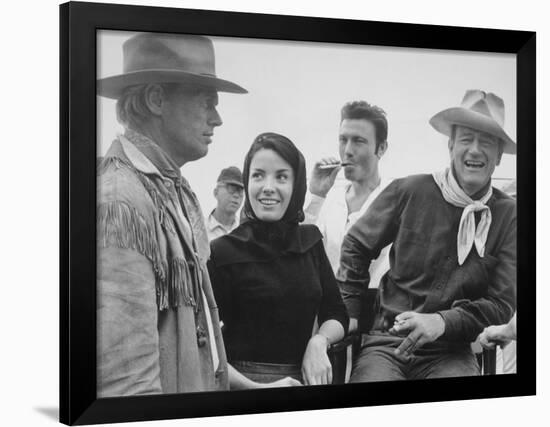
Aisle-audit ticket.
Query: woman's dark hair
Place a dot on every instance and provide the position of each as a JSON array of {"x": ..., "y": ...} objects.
[{"x": 287, "y": 150}]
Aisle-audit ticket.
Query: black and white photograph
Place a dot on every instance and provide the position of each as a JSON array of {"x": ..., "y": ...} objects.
[
  {"x": 262, "y": 201},
  {"x": 274, "y": 213},
  {"x": 291, "y": 214}
]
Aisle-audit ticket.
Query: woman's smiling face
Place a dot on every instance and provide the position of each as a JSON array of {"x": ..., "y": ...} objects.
[{"x": 270, "y": 185}]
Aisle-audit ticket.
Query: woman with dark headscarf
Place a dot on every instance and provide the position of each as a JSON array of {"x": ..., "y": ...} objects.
[{"x": 271, "y": 277}]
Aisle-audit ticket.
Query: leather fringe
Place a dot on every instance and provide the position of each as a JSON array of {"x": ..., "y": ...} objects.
[
  {"x": 106, "y": 162},
  {"x": 183, "y": 284},
  {"x": 165, "y": 220},
  {"x": 178, "y": 281},
  {"x": 122, "y": 226}
]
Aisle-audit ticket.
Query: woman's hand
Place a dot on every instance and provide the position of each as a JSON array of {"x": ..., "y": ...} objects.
[
  {"x": 316, "y": 367},
  {"x": 284, "y": 382},
  {"x": 238, "y": 381}
]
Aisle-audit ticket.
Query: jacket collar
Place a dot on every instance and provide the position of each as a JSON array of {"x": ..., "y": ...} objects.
[
  {"x": 137, "y": 158},
  {"x": 146, "y": 156}
]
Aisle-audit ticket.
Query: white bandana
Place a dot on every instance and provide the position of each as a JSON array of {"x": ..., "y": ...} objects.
[{"x": 467, "y": 232}]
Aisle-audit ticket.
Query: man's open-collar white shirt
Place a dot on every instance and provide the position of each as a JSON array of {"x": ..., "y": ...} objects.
[{"x": 330, "y": 214}]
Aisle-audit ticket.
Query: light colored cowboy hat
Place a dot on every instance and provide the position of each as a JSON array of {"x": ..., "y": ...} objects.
[
  {"x": 166, "y": 58},
  {"x": 480, "y": 111}
]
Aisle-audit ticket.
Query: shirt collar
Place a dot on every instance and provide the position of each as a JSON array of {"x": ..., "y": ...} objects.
[{"x": 213, "y": 223}]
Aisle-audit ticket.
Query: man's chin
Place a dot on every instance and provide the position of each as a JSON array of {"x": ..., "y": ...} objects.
[
  {"x": 199, "y": 154},
  {"x": 348, "y": 174},
  {"x": 472, "y": 187}
]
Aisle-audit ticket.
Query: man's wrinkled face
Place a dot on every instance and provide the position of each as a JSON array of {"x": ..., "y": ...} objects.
[
  {"x": 188, "y": 121},
  {"x": 474, "y": 157},
  {"x": 229, "y": 197}
]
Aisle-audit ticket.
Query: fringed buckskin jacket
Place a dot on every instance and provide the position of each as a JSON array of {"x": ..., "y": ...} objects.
[{"x": 157, "y": 321}]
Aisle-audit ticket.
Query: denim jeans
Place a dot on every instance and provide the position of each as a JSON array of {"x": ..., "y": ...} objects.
[
  {"x": 377, "y": 361},
  {"x": 267, "y": 372}
]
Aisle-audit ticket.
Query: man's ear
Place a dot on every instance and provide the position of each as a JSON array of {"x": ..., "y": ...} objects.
[
  {"x": 381, "y": 149},
  {"x": 154, "y": 97},
  {"x": 215, "y": 192},
  {"x": 450, "y": 144}
]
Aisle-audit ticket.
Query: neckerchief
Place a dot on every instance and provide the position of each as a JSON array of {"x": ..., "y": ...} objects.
[{"x": 468, "y": 235}]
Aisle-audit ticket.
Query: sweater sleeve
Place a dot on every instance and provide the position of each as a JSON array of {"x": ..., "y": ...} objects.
[
  {"x": 332, "y": 305},
  {"x": 372, "y": 232}
]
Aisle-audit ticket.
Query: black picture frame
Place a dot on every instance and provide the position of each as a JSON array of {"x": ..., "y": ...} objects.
[{"x": 78, "y": 25}]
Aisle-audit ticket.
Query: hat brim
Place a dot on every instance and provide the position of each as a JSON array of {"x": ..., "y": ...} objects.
[
  {"x": 112, "y": 87},
  {"x": 230, "y": 181},
  {"x": 444, "y": 120}
]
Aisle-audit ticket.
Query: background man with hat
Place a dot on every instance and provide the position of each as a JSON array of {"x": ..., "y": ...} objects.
[
  {"x": 229, "y": 194},
  {"x": 157, "y": 321},
  {"x": 453, "y": 260}
]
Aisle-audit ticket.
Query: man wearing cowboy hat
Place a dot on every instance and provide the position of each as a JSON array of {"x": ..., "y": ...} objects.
[
  {"x": 229, "y": 194},
  {"x": 453, "y": 261},
  {"x": 157, "y": 321}
]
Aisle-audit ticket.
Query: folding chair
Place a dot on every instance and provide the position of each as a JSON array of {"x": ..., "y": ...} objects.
[{"x": 341, "y": 356}]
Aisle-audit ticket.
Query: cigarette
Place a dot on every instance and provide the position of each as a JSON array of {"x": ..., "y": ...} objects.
[{"x": 333, "y": 165}]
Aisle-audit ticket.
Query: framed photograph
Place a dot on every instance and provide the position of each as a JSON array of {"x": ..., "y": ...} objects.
[{"x": 160, "y": 109}]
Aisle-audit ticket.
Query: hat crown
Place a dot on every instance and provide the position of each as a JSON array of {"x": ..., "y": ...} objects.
[
  {"x": 484, "y": 103},
  {"x": 175, "y": 52},
  {"x": 231, "y": 174},
  {"x": 480, "y": 111}
]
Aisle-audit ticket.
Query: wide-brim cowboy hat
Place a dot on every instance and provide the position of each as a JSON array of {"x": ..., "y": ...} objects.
[
  {"x": 166, "y": 58},
  {"x": 480, "y": 111}
]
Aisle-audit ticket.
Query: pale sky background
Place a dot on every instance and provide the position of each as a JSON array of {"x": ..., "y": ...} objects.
[{"x": 298, "y": 88}]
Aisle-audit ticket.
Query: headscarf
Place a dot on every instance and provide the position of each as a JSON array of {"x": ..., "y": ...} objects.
[{"x": 257, "y": 240}]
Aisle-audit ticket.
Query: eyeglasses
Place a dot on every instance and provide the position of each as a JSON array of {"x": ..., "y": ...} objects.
[{"x": 233, "y": 189}]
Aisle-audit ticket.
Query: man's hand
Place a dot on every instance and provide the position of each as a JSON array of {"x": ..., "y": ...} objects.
[
  {"x": 495, "y": 335},
  {"x": 419, "y": 329},
  {"x": 323, "y": 179},
  {"x": 316, "y": 367}
]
